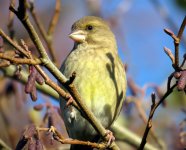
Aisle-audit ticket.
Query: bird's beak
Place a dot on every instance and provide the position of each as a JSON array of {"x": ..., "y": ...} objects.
[{"x": 78, "y": 36}]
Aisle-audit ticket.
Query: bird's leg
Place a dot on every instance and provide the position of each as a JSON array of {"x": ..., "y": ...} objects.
[
  {"x": 110, "y": 137},
  {"x": 69, "y": 101}
]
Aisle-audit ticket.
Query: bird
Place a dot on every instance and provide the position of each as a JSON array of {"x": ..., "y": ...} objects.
[{"x": 100, "y": 78}]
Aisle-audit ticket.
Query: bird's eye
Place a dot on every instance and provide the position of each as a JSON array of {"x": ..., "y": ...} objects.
[{"x": 89, "y": 27}]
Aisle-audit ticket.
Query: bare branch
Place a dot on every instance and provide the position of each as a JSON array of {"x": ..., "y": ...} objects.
[
  {"x": 15, "y": 60},
  {"x": 55, "y": 18}
]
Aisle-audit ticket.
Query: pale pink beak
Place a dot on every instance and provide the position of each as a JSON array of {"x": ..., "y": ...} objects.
[{"x": 78, "y": 36}]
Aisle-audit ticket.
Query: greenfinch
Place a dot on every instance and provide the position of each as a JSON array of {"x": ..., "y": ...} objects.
[{"x": 100, "y": 78}]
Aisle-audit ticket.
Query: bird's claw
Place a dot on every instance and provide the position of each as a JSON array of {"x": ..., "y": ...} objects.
[
  {"x": 52, "y": 129},
  {"x": 110, "y": 137},
  {"x": 69, "y": 101}
]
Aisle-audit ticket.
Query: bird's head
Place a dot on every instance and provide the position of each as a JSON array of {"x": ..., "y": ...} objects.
[{"x": 92, "y": 31}]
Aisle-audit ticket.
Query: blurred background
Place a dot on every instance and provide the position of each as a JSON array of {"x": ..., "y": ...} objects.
[{"x": 138, "y": 27}]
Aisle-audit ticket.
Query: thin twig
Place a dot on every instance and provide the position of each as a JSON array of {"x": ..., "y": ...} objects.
[
  {"x": 177, "y": 40},
  {"x": 169, "y": 89},
  {"x": 143, "y": 116},
  {"x": 56, "y": 87},
  {"x": 11, "y": 42},
  {"x": 15, "y": 60},
  {"x": 48, "y": 81},
  {"x": 11, "y": 21},
  {"x": 179, "y": 36},
  {"x": 57, "y": 136},
  {"x": 4, "y": 146},
  {"x": 180, "y": 32},
  {"x": 184, "y": 60},
  {"x": 47, "y": 36},
  {"x": 154, "y": 106},
  {"x": 55, "y": 18}
]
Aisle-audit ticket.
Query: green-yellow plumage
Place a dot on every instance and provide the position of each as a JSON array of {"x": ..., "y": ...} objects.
[{"x": 100, "y": 79}]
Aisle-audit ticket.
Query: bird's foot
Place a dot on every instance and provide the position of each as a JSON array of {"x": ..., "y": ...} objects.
[
  {"x": 110, "y": 137},
  {"x": 52, "y": 129},
  {"x": 69, "y": 101}
]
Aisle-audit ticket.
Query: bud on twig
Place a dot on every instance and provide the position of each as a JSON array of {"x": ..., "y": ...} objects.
[
  {"x": 169, "y": 32},
  {"x": 169, "y": 53},
  {"x": 38, "y": 107}
]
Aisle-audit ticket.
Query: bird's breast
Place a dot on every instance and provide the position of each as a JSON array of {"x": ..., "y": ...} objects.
[{"x": 97, "y": 76}]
